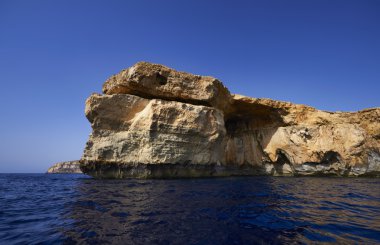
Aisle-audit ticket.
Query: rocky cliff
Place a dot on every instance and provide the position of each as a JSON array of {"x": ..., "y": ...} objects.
[
  {"x": 153, "y": 122},
  {"x": 70, "y": 167}
]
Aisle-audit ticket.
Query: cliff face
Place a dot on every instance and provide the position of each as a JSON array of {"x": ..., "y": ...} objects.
[
  {"x": 153, "y": 121},
  {"x": 70, "y": 167}
]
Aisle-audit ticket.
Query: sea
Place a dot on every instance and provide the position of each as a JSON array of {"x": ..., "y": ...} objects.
[{"x": 76, "y": 209}]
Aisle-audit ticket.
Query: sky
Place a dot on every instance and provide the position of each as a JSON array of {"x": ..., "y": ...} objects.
[{"x": 54, "y": 54}]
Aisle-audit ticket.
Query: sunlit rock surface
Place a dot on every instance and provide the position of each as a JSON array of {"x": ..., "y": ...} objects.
[
  {"x": 158, "y": 81},
  {"x": 155, "y": 122},
  {"x": 70, "y": 167}
]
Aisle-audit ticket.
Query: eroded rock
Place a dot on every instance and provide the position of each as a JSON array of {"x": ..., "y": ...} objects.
[
  {"x": 156, "y": 122},
  {"x": 133, "y": 130},
  {"x": 70, "y": 167},
  {"x": 157, "y": 81}
]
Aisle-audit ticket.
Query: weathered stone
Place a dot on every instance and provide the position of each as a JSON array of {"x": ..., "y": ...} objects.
[
  {"x": 156, "y": 122},
  {"x": 311, "y": 141},
  {"x": 70, "y": 167},
  {"x": 157, "y": 81},
  {"x": 134, "y": 130}
]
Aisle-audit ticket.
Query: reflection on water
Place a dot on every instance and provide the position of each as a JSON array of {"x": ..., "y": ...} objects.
[
  {"x": 190, "y": 211},
  {"x": 227, "y": 210}
]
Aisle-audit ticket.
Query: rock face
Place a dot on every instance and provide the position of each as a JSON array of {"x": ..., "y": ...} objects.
[
  {"x": 153, "y": 121},
  {"x": 156, "y": 81},
  {"x": 71, "y": 167}
]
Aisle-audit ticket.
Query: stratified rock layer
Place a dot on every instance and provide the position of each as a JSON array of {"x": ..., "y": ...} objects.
[
  {"x": 158, "y": 81},
  {"x": 130, "y": 129},
  {"x": 70, "y": 167},
  {"x": 156, "y": 122}
]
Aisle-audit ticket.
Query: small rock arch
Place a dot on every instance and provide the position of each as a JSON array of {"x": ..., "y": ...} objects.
[{"x": 283, "y": 165}]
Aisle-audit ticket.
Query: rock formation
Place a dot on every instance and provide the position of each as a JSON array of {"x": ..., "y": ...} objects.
[
  {"x": 155, "y": 122},
  {"x": 71, "y": 167}
]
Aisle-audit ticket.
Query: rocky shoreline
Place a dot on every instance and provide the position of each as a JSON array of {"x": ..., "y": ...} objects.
[
  {"x": 116, "y": 170},
  {"x": 70, "y": 167},
  {"x": 155, "y": 122}
]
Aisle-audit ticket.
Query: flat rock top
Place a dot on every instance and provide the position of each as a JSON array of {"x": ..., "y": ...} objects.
[{"x": 157, "y": 81}]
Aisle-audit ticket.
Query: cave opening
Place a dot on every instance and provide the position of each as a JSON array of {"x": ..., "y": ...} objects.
[
  {"x": 162, "y": 80},
  {"x": 246, "y": 116},
  {"x": 331, "y": 157}
]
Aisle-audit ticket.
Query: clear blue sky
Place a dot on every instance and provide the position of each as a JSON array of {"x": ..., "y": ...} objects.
[{"x": 54, "y": 54}]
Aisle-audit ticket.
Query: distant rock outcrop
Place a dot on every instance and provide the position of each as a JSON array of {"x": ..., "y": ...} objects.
[
  {"x": 153, "y": 121},
  {"x": 71, "y": 167}
]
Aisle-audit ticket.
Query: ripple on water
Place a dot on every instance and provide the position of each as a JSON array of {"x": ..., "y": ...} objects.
[{"x": 56, "y": 209}]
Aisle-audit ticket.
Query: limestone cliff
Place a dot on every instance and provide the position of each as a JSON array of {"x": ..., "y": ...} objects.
[
  {"x": 70, "y": 167},
  {"x": 153, "y": 121}
]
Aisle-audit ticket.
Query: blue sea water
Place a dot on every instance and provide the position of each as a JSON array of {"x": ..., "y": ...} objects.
[{"x": 70, "y": 209}]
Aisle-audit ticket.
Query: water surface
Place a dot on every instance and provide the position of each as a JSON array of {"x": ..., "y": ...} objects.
[{"x": 67, "y": 209}]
